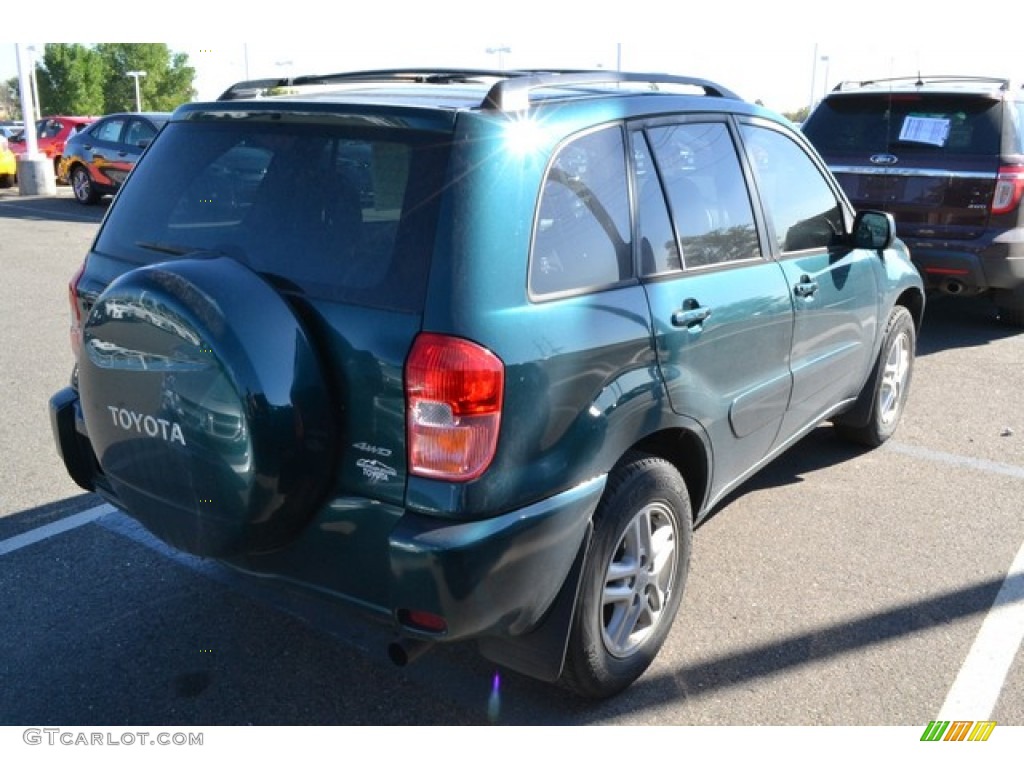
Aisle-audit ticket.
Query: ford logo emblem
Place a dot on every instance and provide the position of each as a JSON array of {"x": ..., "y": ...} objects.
[{"x": 884, "y": 159}]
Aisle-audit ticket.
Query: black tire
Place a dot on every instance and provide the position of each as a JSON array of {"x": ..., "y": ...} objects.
[
  {"x": 1011, "y": 307},
  {"x": 82, "y": 186},
  {"x": 1012, "y": 316},
  {"x": 885, "y": 393},
  {"x": 613, "y": 641},
  {"x": 6, "y": 180}
]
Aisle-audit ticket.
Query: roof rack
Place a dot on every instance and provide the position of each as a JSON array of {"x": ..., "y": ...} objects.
[
  {"x": 921, "y": 81},
  {"x": 510, "y": 90},
  {"x": 249, "y": 88},
  {"x": 513, "y": 94}
]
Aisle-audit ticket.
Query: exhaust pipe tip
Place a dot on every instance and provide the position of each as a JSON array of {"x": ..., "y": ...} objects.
[
  {"x": 953, "y": 287},
  {"x": 404, "y": 652}
]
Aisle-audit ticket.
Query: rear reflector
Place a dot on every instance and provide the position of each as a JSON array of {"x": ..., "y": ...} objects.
[
  {"x": 454, "y": 390},
  {"x": 422, "y": 621},
  {"x": 76, "y": 311}
]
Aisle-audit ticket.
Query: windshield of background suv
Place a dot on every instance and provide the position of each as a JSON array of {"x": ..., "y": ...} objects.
[
  {"x": 336, "y": 211},
  {"x": 927, "y": 123}
]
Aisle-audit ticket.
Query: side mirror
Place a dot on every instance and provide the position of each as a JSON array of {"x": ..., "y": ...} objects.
[{"x": 873, "y": 229}]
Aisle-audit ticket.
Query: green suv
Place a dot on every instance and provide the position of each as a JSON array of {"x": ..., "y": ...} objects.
[{"x": 474, "y": 351}]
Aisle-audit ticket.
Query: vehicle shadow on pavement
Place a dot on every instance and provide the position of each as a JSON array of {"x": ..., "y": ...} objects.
[
  {"x": 951, "y": 322},
  {"x": 820, "y": 449},
  {"x": 63, "y": 207},
  {"x": 742, "y": 667},
  {"x": 116, "y": 634}
]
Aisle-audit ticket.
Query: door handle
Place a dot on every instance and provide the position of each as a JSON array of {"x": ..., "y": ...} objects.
[
  {"x": 692, "y": 314},
  {"x": 806, "y": 286}
]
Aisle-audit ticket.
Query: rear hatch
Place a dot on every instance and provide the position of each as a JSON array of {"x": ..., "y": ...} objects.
[
  {"x": 247, "y": 310},
  {"x": 930, "y": 159}
]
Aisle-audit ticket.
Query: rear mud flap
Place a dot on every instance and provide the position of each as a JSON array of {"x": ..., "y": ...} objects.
[{"x": 540, "y": 654}]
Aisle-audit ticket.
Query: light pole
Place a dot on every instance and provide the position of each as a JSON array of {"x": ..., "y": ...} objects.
[
  {"x": 37, "y": 112},
  {"x": 501, "y": 50},
  {"x": 824, "y": 84},
  {"x": 136, "y": 74}
]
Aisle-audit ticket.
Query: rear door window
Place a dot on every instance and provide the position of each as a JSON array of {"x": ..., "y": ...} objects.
[
  {"x": 331, "y": 211},
  {"x": 700, "y": 172}
]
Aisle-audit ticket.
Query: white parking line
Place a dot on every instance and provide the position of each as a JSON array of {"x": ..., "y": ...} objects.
[
  {"x": 917, "y": 452},
  {"x": 976, "y": 689},
  {"x": 55, "y": 528}
]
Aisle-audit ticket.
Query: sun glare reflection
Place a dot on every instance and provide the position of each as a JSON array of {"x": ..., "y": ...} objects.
[
  {"x": 524, "y": 135},
  {"x": 494, "y": 701}
]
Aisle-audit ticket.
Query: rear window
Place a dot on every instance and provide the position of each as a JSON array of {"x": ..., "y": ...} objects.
[
  {"x": 346, "y": 213},
  {"x": 925, "y": 123}
]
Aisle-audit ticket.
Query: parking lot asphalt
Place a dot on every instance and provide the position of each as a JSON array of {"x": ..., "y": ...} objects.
[{"x": 838, "y": 587}]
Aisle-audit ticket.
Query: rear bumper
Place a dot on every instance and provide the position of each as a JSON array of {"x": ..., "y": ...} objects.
[
  {"x": 970, "y": 267},
  {"x": 70, "y": 438},
  {"x": 494, "y": 577}
]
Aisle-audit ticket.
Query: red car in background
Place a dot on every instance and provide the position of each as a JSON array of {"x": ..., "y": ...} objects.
[{"x": 51, "y": 135}]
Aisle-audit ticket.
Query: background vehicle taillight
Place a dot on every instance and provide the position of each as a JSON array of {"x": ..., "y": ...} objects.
[
  {"x": 454, "y": 390},
  {"x": 1009, "y": 189},
  {"x": 76, "y": 311}
]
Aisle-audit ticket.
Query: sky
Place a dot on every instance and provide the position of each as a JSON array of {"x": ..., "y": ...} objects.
[{"x": 786, "y": 54}]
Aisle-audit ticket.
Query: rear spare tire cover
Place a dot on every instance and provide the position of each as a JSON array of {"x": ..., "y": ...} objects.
[{"x": 207, "y": 406}]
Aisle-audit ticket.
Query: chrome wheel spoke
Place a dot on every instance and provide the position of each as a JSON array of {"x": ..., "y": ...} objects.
[
  {"x": 664, "y": 561},
  {"x": 638, "y": 579},
  {"x": 894, "y": 377}
]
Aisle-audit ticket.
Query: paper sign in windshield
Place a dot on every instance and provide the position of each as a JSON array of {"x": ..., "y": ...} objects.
[{"x": 925, "y": 130}]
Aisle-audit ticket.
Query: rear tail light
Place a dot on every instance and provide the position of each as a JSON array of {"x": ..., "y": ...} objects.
[
  {"x": 454, "y": 390},
  {"x": 1009, "y": 189},
  {"x": 76, "y": 311}
]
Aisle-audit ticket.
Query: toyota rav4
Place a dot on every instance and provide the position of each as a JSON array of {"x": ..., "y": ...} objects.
[{"x": 475, "y": 351}]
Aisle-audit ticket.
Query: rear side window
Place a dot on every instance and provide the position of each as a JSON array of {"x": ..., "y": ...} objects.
[
  {"x": 139, "y": 132},
  {"x": 339, "y": 212},
  {"x": 581, "y": 236},
  {"x": 923, "y": 123}
]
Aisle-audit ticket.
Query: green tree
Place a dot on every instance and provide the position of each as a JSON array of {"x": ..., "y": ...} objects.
[
  {"x": 79, "y": 80},
  {"x": 798, "y": 116},
  {"x": 70, "y": 81},
  {"x": 10, "y": 105},
  {"x": 166, "y": 84}
]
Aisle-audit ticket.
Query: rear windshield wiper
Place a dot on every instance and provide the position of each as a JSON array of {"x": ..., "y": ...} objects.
[{"x": 174, "y": 250}]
